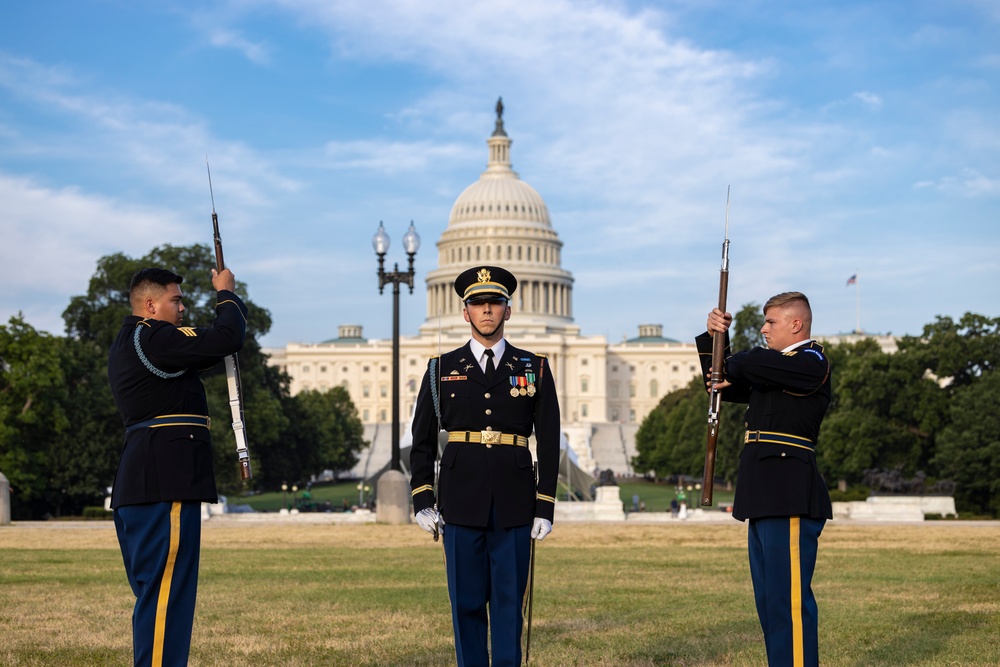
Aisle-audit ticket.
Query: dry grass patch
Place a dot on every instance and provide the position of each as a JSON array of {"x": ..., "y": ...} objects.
[{"x": 607, "y": 595}]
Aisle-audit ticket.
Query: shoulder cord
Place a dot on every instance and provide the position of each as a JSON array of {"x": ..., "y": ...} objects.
[
  {"x": 148, "y": 364},
  {"x": 434, "y": 390}
]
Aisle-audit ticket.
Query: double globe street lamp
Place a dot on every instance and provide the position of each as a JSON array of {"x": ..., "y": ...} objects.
[{"x": 411, "y": 243}]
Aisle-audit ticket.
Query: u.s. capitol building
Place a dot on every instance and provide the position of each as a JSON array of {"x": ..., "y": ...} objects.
[{"x": 605, "y": 389}]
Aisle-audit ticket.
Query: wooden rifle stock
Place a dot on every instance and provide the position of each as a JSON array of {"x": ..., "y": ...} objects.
[
  {"x": 232, "y": 363},
  {"x": 717, "y": 376}
]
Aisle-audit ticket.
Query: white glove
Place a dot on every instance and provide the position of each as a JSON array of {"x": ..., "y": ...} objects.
[
  {"x": 428, "y": 519},
  {"x": 541, "y": 528}
]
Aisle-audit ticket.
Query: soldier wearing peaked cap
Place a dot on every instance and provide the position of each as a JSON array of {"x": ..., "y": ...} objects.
[
  {"x": 489, "y": 396},
  {"x": 165, "y": 471}
]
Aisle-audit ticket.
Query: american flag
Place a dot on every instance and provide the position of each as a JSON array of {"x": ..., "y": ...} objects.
[{"x": 852, "y": 280}]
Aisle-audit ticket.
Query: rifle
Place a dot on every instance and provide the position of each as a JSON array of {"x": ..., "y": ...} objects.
[
  {"x": 232, "y": 364},
  {"x": 718, "y": 352}
]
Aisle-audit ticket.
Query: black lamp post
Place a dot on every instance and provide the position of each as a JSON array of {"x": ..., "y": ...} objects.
[{"x": 411, "y": 242}]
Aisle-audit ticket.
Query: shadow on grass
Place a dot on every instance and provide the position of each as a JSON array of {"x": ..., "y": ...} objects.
[{"x": 928, "y": 639}]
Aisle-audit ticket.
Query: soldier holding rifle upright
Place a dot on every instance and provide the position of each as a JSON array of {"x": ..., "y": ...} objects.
[
  {"x": 779, "y": 488},
  {"x": 488, "y": 396},
  {"x": 165, "y": 471}
]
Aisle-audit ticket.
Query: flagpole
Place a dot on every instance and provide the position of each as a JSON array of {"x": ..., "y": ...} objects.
[{"x": 857, "y": 301}]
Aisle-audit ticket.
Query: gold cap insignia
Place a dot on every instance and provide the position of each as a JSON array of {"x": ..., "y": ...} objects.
[{"x": 483, "y": 275}]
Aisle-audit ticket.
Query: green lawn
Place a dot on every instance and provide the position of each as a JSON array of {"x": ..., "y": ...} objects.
[
  {"x": 618, "y": 594},
  {"x": 335, "y": 494},
  {"x": 656, "y": 496}
]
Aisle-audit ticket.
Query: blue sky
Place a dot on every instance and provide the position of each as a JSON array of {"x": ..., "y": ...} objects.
[{"x": 857, "y": 137}]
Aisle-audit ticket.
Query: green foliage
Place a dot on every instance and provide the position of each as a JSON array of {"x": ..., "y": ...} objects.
[
  {"x": 56, "y": 421},
  {"x": 928, "y": 407},
  {"x": 98, "y": 513},
  {"x": 61, "y": 435},
  {"x": 97, "y": 317},
  {"x": 968, "y": 449},
  {"x": 933, "y": 406},
  {"x": 671, "y": 440},
  {"x": 321, "y": 431},
  {"x": 884, "y": 413},
  {"x": 961, "y": 351},
  {"x": 745, "y": 333}
]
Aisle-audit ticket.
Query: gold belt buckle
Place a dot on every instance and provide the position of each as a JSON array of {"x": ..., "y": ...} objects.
[
  {"x": 490, "y": 437},
  {"x": 208, "y": 423},
  {"x": 746, "y": 437}
]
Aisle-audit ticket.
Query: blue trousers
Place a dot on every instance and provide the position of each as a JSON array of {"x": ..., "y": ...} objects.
[
  {"x": 487, "y": 567},
  {"x": 161, "y": 545},
  {"x": 782, "y": 561}
]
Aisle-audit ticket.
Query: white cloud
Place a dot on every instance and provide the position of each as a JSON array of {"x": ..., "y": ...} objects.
[
  {"x": 52, "y": 239},
  {"x": 969, "y": 183},
  {"x": 232, "y": 39},
  {"x": 389, "y": 157},
  {"x": 870, "y": 100}
]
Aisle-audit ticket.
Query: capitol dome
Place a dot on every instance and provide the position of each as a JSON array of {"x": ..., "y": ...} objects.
[{"x": 502, "y": 220}]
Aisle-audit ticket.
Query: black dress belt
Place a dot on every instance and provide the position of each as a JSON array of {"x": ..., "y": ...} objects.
[{"x": 171, "y": 420}]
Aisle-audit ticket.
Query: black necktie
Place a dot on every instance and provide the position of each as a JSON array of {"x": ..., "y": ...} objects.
[{"x": 490, "y": 367}]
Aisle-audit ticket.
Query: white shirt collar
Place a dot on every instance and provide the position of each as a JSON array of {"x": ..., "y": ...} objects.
[
  {"x": 795, "y": 345},
  {"x": 478, "y": 349}
]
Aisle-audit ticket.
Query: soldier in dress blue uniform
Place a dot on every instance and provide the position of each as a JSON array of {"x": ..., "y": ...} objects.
[
  {"x": 165, "y": 471},
  {"x": 779, "y": 488},
  {"x": 487, "y": 396}
]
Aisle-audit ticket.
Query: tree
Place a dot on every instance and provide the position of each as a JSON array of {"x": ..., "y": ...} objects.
[
  {"x": 671, "y": 440},
  {"x": 97, "y": 317},
  {"x": 745, "y": 333},
  {"x": 56, "y": 422},
  {"x": 957, "y": 351},
  {"x": 331, "y": 427},
  {"x": 906, "y": 409},
  {"x": 968, "y": 449},
  {"x": 289, "y": 437}
]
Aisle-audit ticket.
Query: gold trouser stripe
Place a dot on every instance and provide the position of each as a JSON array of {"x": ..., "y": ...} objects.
[
  {"x": 798, "y": 650},
  {"x": 159, "y": 631},
  {"x": 488, "y": 438}
]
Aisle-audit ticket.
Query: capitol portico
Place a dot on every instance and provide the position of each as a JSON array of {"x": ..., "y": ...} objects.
[{"x": 605, "y": 389}]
